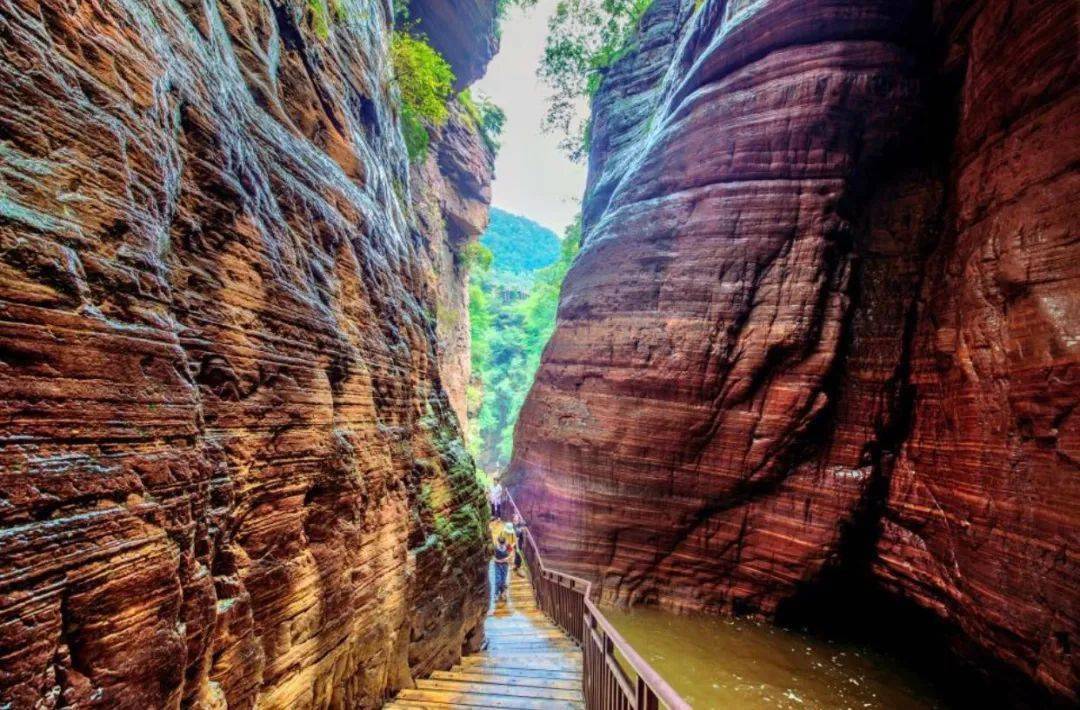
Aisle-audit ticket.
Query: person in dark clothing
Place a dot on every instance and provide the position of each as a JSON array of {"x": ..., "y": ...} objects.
[
  {"x": 519, "y": 549},
  {"x": 502, "y": 568}
]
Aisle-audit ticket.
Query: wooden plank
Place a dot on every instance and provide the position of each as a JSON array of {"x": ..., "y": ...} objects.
[
  {"x": 526, "y": 634},
  {"x": 518, "y": 691},
  {"x": 433, "y": 705},
  {"x": 511, "y": 649},
  {"x": 563, "y": 644},
  {"x": 512, "y": 668},
  {"x": 521, "y": 672},
  {"x": 554, "y": 642},
  {"x": 484, "y": 700},
  {"x": 501, "y": 678},
  {"x": 546, "y": 664},
  {"x": 545, "y": 656}
]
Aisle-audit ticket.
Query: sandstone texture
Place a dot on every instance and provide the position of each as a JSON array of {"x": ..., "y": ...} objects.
[
  {"x": 230, "y": 474},
  {"x": 452, "y": 194},
  {"x": 827, "y": 317}
]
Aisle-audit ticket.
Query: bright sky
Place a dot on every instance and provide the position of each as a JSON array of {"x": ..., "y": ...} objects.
[{"x": 533, "y": 177}]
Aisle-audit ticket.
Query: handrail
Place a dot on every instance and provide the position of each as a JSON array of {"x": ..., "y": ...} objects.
[{"x": 568, "y": 601}]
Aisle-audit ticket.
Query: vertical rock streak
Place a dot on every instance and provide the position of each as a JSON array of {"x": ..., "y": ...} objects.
[{"x": 824, "y": 319}]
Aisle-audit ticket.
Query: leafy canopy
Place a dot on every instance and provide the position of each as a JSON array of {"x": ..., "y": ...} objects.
[
  {"x": 426, "y": 82},
  {"x": 585, "y": 37},
  {"x": 425, "y": 78}
]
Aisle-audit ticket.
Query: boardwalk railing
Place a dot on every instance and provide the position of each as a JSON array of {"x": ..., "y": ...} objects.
[{"x": 567, "y": 600}]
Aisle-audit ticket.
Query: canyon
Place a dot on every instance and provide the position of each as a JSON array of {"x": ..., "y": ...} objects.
[
  {"x": 231, "y": 348},
  {"x": 818, "y": 356},
  {"x": 821, "y": 339}
]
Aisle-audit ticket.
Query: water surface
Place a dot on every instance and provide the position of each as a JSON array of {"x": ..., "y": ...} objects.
[{"x": 715, "y": 662}]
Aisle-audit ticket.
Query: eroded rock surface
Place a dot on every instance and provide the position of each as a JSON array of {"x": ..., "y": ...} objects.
[
  {"x": 229, "y": 472},
  {"x": 827, "y": 315},
  {"x": 452, "y": 194}
]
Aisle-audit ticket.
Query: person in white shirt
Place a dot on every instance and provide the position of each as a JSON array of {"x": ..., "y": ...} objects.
[{"x": 496, "y": 496}]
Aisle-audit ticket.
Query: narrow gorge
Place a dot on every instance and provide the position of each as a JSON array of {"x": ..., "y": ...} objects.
[
  {"x": 817, "y": 361},
  {"x": 822, "y": 340}
]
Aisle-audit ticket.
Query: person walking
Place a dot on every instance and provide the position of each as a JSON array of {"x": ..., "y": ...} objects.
[
  {"x": 501, "y": 557},
  {"x": 496, "y": 495},
  {"x": 519, "y": 548}
]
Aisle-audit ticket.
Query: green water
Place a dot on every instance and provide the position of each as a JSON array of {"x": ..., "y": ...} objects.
[{"x": 715, "y": 662}]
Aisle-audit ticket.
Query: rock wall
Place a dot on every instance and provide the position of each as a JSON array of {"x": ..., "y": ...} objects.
[
  {"x": 465, "y": 32},
  {"x": 452, "y": 192},
  {"x": 826, "y": 319},
  {"x": 229, "y": 472}
]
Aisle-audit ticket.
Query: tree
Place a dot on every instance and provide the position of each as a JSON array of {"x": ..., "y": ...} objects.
[{"x": 585, "y": 37}]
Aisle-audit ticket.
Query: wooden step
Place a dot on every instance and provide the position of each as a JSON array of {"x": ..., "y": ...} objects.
[
  {"x": 521, "y": 649},
  {"x": 483, "y": 700},
  {"x": 516, "y": 665},
  {"x": 501, "y": 678},
  {"x": 571, "y": 657},
  {"x": 521, "y": 672},
  {"x": 492, "y": 688}
]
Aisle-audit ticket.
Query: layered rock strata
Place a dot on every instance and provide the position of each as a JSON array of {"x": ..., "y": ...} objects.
[
  {"x": 827, "y": 316},
  {"x": 452, "y": 193},
  {"x": 229, "y": 472}
]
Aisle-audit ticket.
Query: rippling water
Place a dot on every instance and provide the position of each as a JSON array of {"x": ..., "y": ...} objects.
[{"x": 716, "y": 662}]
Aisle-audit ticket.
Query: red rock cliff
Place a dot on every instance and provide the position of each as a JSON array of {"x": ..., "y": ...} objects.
[
  {"x": 229, "y": 472},
  {"x": 827, "y": 316},
  {"x": 452, "y": 193}
]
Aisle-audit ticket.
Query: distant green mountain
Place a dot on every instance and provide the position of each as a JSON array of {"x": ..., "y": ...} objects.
[{"x": 519, "y": 244}]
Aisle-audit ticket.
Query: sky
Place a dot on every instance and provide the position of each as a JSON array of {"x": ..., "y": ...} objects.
[{"x": 533, "y": 177}]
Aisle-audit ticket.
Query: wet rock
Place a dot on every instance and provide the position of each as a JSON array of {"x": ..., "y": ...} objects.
[
  {"x": 825, "y": 317},
  {"x": 230, "y": 473}
]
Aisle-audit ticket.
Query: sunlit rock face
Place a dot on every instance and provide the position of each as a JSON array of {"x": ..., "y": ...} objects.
[
  {"x": 229, "y": 474},
  {"x": 826, "y": 318}
]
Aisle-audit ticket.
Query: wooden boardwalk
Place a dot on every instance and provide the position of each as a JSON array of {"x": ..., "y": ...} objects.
[{"x": 528, "y": 662}]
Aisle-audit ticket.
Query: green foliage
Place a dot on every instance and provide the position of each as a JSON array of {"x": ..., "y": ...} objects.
[
  {"x": 426, "y": 83},
  {"x": 485, "y": 115},
  {"x": 512, "y": 308},
  {"x": 585, "y": 37},
  {"x": 320, "y": 18},
  {"x": 481, "y": 317},
  {"x": 476, "y": 257},
  {"x": 503, "y": 6},
  {"x": 425, "y": 78},
  {"x": 323, "y": 13},
  {"x": 415, "y": 134}
]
